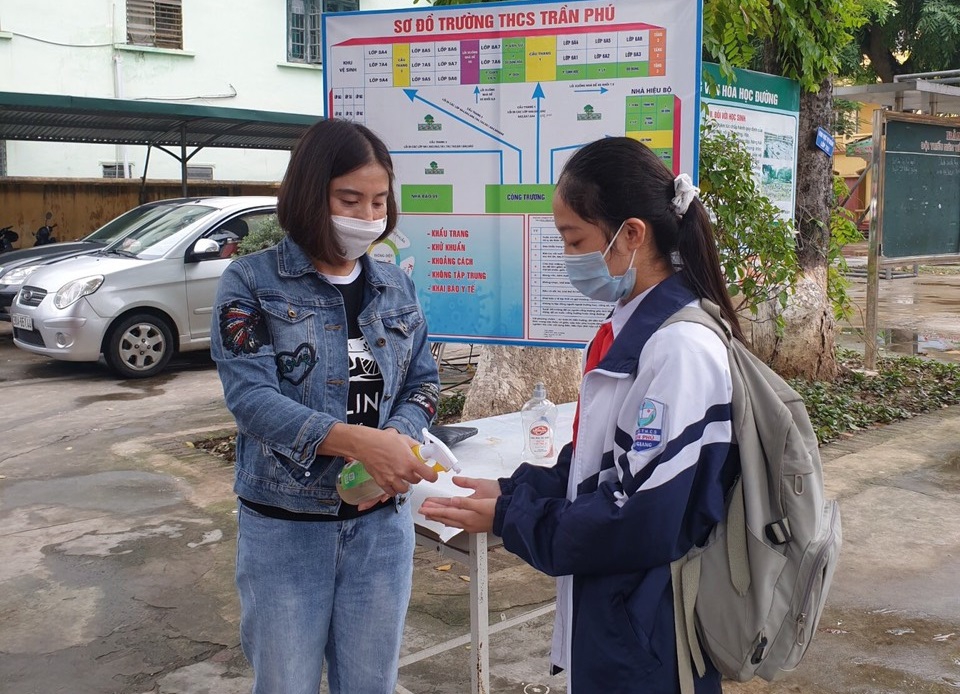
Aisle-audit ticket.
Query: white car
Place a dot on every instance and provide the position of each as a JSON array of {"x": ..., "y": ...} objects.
[{"x": 145, "y": 296}]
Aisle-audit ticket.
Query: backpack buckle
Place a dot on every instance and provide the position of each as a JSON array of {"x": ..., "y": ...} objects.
[{"x": 778, "y": 532}]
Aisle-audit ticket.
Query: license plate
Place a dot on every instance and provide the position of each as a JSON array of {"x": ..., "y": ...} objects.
[{"x": 21, "y": 321}]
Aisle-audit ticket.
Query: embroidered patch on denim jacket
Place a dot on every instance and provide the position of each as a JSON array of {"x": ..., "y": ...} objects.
[
  {"x": 242, "y": 329},
  {"x": 296, "y": 365},
  {"x": 425, "y": 397}
]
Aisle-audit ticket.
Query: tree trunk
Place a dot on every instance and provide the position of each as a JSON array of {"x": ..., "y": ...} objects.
[
  {"x": 506, "y": 376},
  {"x": 881, "y": 59},
  {"x": 814, "y": 179},
  {"x": 806, "y": 348}
]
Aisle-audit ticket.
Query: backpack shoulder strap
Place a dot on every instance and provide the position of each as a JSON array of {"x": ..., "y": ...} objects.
[
  {"x": 708, "y": 315},
  {"x": 685, "y": 572}
]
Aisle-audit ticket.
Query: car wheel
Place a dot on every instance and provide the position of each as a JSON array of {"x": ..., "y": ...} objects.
[{"x": 139, "y": 346}]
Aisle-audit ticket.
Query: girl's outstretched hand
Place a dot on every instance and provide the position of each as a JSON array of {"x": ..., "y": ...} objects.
[
  {"x": 475, "y": 515},
  {"x": 482, "y": 488}
]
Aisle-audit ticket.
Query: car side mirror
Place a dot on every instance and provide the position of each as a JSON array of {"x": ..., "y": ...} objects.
[{"x": 204, "y": 249}]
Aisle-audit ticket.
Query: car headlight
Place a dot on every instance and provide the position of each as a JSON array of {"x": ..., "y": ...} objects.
[
  {"x": 17, "y": 275},
  {"x": 73, "y": 291}
]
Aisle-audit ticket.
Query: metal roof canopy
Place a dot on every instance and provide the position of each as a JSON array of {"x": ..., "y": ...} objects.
[
  {"x": 932, "y": 97},
  {"x": 56, "y": 118}
]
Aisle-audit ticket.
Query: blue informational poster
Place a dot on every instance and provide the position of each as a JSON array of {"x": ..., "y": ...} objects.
[{"x": 481, "y": 106}]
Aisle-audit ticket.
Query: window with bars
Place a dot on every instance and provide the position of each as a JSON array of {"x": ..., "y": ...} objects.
[
  {"x": 112, "y": 170},
  {"x": 157, "y": 23},
  {"x": 199, "y": 172},
  {"x": 304, "y": 43}
]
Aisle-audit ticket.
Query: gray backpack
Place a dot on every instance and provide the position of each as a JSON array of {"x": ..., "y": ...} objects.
[{"x": 753, "y": 594}]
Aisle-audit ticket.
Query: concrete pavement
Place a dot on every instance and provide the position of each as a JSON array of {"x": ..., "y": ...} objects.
[
  {"x": 117, "y": 547},
  {"x": 916, "y": 314}
]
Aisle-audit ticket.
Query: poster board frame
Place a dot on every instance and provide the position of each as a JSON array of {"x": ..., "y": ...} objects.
[{"x": 875, "y": 257}]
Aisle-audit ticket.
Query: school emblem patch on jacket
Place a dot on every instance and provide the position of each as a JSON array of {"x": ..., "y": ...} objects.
[{"x": 649, "y": 433}]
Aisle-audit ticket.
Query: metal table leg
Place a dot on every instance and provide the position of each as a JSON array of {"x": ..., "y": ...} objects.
[{"x": 479, "y": 615}]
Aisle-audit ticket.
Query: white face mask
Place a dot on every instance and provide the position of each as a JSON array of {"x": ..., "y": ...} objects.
[{"x": 356, "y": 235}]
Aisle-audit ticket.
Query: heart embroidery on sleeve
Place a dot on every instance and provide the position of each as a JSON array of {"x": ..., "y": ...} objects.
[{"x": 297, "y": 365}]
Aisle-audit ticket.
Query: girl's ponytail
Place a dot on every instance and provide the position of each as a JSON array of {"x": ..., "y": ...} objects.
[{"x": 700, "y": 262}]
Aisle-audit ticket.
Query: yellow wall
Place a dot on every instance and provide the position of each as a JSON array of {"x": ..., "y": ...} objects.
[
  {"x": 852, "y": 166},
  {"x": 847, "y": 166}
]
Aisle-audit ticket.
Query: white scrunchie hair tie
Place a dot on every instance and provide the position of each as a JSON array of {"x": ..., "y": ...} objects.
[{"x": 685, "y": 192}]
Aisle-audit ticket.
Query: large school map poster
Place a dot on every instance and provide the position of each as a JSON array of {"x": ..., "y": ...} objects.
[{"x": 481, "y": 106}]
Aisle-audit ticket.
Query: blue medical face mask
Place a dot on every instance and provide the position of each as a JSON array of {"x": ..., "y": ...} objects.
[{"x": 589, "y": 274}]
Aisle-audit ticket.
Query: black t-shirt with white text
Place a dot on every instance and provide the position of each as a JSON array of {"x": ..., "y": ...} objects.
[{"x": 366, "y": 381}]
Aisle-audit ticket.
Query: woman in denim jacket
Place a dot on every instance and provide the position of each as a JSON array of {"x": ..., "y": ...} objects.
[{"x": 323, "y": 355}]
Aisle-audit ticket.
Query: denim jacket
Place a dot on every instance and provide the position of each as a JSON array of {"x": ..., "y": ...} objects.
[{"x": 279, "y": 338}]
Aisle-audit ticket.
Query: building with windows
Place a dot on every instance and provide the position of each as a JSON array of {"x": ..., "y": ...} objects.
[{"x": 254, "y": 54}]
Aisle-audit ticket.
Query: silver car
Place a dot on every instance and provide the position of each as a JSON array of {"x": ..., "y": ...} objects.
[
  {"x": 145, "y": 296},
  {"x": 16, "y": 266}
]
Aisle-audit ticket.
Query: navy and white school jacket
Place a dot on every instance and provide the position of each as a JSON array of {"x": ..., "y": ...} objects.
[{"x": 654, "y": 459}]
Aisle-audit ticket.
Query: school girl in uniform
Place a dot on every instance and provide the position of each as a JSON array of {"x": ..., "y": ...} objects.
[{"x": 652, "y": 455}]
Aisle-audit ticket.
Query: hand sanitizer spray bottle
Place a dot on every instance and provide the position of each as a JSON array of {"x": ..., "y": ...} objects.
[
  {"x": 355, "y": 485},
  {"x": 539, "y": 417}
]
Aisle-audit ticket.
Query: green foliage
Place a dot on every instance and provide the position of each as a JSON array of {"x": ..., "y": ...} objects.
[
  {"x": 733, "y": 29},
  {"x": 845, "y": 115},
  {"x": 935, "y": 42},
  {"x": 843, "y": 230},
  {"x": 904, "y": 36},
  {"x": 451, "y": 406},
  {"x": 267, "y": 233},
  {"x": 910, "y": 36},
  {"x": 757, "y": 248},
  {"x": 902, "y": 388},
  {"x": 809, "y": 37},
  {"x": 805, "y": 39}
]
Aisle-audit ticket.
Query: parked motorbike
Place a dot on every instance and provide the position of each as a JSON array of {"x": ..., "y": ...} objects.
[
  {"x": 7, "y": 238},
  {"x": 44, "y": 234}
]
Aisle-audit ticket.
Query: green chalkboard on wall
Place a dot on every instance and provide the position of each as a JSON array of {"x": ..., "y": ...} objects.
[{"x": 921, "y": 190}]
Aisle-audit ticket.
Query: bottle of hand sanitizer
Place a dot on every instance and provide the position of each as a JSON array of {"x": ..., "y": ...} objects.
[
  {"x": 355, "y": 485},
  {"x": 539, "y": 417}
]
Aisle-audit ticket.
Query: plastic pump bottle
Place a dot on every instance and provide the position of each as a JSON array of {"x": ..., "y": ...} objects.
[
  {"x": 539, "y": 417},
  {"x": 356, "y": 486}
]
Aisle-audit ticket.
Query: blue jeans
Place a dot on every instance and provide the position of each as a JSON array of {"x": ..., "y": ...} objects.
[{"x": 333, "y": 590}]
